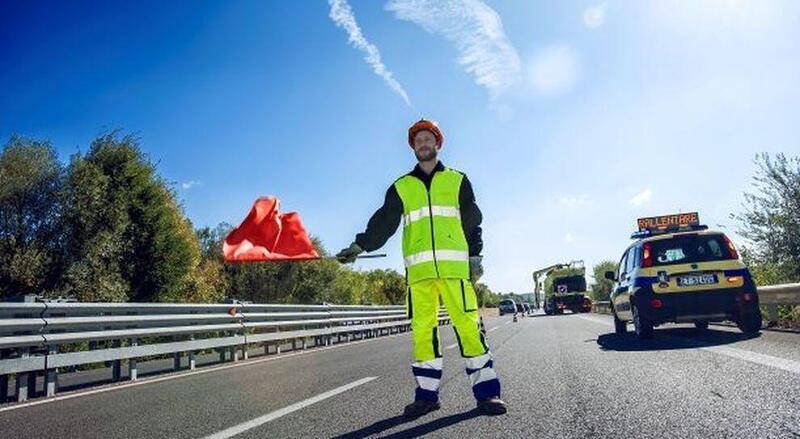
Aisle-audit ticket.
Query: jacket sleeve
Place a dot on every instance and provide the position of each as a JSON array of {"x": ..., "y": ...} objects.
[
  {"x": 383, "y": 223},
  {"x": 471, "y": 218}
]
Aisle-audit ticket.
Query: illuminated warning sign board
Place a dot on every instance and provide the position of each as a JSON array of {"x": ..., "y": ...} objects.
[{"x": 680, "y": 220}]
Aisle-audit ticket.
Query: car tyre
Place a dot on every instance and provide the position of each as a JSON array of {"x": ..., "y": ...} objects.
[
  {"x": 620, "y": 326},
  {"x": 642, "y": 326},
  {"x": 749, "y": 323}
]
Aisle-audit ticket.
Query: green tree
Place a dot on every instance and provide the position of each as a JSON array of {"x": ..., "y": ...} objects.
[
  {"x": 601, "y": 288},
  {"x": 127, "y": 237},
  {"x": 385, "y": 287},
  {"x": 771, "y": 217},
  {"x": 30, "y": 182}
]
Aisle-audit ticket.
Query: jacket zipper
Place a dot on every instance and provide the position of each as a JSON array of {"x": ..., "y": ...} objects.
[{"x": 433, "y": 239}]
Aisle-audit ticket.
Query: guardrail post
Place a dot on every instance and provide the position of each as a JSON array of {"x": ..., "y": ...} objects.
[
  {"x": 23, "y": 379},
  {"x": 221, "y": 355},
  {"x": 772, "y": 314},
  {"x": 116, "y": 365},
  {"x": 133, "y": 371},
  {"x": 51, "y": 375},
  {"x": 3, "y": 380},
  {"x": 176, "y": 361},
  {"x": 192, "y": 360}
]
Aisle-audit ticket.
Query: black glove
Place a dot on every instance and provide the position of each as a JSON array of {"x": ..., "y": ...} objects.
[
  {"x": 348, "y": 255},
  {"x": 475, "y": 268}
]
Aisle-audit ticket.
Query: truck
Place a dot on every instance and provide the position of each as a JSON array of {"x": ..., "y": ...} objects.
[{"x": 563, "y": 286}]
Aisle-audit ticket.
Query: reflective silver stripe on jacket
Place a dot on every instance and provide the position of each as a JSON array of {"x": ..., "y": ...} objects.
[
  {"x": 441, "y": 255},
  {"x": 424, "y": 212}
]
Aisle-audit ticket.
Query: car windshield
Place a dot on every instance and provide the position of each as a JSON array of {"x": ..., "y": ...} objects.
[
  {"x": 690, "y": 248},
  {"x": 569, "y": 284}
]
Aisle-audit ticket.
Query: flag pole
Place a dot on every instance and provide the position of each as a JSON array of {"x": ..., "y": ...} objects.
[{"x": 373, "y": 256}]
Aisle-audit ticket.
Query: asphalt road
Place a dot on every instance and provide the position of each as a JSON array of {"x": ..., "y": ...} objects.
[{"x": 563, "y": 376}]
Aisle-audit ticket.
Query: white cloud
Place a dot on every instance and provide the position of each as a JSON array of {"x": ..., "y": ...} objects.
[
  {"x": 342, "y": 15},
  {"x": 554, "y": 70},
  {"x": 573, "y": 201},
  {"x": 477, "y": 32},
  {"x": 595, "y": 16},
  {"x": 569, "y": 237},
  {"x": 641, "y": 198},
  {"x": 191, "y": 184}
]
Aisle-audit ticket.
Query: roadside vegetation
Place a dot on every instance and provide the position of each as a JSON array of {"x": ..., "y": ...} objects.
[{"x": 106, "y": 227}]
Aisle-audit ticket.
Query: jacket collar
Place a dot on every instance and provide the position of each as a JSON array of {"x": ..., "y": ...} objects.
[{"x": 419, "y": 173}]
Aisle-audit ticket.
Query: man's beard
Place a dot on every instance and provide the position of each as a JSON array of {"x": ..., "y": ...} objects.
[{"x": 426, "y": 155}]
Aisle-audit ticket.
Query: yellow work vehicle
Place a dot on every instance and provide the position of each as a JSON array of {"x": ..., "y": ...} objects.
[{"x": 679, "y": 271}]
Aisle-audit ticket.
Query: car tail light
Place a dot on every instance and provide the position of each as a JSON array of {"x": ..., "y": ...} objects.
[
  {"x": 647, "y": 255},
  {"x": 731, "y": 247},
  {"x": 735, "y": 279},
  {"x": 656, "y": 303}
]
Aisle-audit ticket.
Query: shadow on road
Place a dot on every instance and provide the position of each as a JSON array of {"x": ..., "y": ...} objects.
[
  {"x": 669, "y": 339},
  {"x": 386, "y": 424}
]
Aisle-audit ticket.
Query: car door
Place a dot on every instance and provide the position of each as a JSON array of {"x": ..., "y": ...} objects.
[{"x": 622, "y": 302}]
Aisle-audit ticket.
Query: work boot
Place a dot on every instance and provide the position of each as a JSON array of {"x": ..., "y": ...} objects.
[
  {"x": 420, "y": 407},
  {"x": 492, "y": 406}
]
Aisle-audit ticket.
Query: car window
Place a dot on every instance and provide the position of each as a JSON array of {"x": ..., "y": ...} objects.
[
  {"x": 630, "y": 260},
  {"x": 622, "y": 262},
  {"x": 690, "y": 248}
]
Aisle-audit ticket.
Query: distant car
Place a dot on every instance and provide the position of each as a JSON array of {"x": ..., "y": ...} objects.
[
  {"x": 507, "y": 306},
  {"x": 682, "y": 273}
]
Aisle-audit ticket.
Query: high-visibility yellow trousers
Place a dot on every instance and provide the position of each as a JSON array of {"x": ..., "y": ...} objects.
[{"x": 422, "y": 304}]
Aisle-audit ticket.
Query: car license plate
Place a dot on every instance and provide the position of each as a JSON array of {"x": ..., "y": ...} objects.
[{"x": 700, "y": 279}]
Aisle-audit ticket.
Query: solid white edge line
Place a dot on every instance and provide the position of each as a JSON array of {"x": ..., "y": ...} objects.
[
  {"x": 207, "y": 369},
  {"x": 741, "y": 354},
  {"x": 451, "y": 346},
  {"x": 261, "y": 420}
]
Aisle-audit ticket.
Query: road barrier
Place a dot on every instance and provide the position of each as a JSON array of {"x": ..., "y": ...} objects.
[
  {"x": 770, "y": 296},
  {"x": 41, "y": 337}
]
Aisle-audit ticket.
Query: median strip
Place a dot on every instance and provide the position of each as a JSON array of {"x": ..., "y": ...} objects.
[{"x": 261, "y": 420}]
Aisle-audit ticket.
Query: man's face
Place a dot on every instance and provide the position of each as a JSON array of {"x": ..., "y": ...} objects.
[{"x": 425, "y": 147}]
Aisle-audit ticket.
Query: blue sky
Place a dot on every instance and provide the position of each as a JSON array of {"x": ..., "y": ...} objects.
[{"x": 571, "y": 118}]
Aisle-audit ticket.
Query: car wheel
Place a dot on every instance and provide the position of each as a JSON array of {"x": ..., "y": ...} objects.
[
  {"x": 620, "y": 326},
  {"x": 701, "y": 325},
  {"x": 749, "y": 323},
  {"x": 642, "y": 326}
]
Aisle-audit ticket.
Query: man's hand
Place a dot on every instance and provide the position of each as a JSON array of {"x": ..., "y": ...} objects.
[
  {"x": 475, "y": 268},
  {"x": 348, "y": 255}
]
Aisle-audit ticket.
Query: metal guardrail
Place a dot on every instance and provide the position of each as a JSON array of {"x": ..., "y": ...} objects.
[
  {"x": 770, "y": 296},
  {"x": 44, "y": 336}
]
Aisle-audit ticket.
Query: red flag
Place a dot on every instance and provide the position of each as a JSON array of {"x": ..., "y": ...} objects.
[{"x": 266, "y": 235}]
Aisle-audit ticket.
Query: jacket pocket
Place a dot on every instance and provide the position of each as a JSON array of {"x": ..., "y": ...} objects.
[{"x": 468, "y": 297}]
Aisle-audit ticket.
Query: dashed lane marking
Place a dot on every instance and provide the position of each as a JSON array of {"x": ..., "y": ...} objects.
[{"x": 261, "y": 420}]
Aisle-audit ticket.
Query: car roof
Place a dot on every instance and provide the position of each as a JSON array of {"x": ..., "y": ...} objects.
[{"x": 665, "y": 236}]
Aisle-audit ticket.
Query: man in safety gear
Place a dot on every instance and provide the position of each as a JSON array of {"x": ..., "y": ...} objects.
[{"x": 441, "y": 250}]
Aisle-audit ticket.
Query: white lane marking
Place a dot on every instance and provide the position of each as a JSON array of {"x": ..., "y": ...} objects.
[
  {"x": 206, "y": 369},
  {"x": 741, "y": 354},
  {"x": 495, "y": 328},
  {"x": 261, "y": 420},
  {"x": 452, "y": 346},
  {"x": 754, "y": 357},
  {"x": 510, "y": 321}
]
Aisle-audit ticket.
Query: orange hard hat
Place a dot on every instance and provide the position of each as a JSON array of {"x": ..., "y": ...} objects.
[{"x": 425, "y": 125}]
